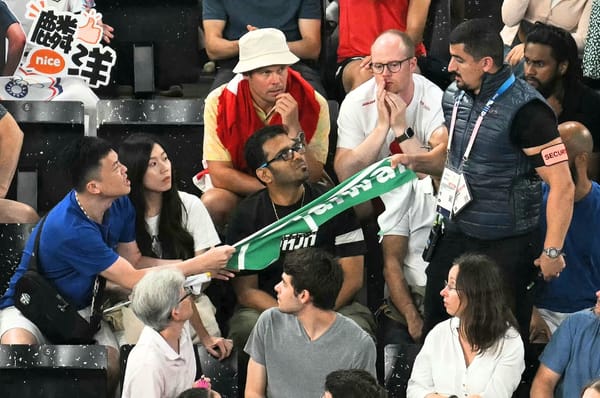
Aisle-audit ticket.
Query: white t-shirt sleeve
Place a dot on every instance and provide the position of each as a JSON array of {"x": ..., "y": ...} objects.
[
  {"x": 198, "y": 223},
  {"x": 427, "y": 113},
  {"x": 355, "y": 116}
]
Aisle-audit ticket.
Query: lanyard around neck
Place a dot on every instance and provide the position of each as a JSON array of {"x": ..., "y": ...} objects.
[{"x": 484, "y": 111}]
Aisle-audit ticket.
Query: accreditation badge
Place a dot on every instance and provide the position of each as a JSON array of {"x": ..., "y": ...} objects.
[
  {"x": 462, "y": 196},
  {"x": 453, "y": 194}
]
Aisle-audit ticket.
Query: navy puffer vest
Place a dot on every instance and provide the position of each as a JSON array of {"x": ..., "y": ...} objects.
[{"x": 506, "y": 191}]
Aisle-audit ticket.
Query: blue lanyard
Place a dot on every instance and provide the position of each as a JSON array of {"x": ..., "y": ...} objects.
[{"x": 488, "y": 105}]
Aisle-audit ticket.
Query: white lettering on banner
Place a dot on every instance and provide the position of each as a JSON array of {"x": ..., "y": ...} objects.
[
  {"x": 297, "y": 241},
  {"x": 384, "y": 174}
]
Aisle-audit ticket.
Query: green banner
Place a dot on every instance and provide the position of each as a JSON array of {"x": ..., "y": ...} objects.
[{"x": 262, "y": 248}]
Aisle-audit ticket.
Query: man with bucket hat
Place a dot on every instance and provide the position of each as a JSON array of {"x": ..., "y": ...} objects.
[{"x": 265, "y": 91}]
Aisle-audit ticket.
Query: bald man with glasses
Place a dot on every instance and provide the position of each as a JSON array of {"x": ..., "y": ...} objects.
[{"x": 396, "y": 111}]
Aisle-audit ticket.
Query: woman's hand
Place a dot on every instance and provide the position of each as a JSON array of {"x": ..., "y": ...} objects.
[
  {"x": 515, "y": 54},
  {"x": 216, "y": 260}
]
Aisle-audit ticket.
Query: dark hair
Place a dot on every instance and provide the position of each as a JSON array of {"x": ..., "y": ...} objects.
[
  {"x": 253, "y": 150},
  {"x": 408, "y": 43},
  {"x": 316, "y": 271},
  {"x": 81, "y": 159},
  {"x": 486, "y": 316},
  {"x": 480, "y": 39},
  {"x": 176, "y": 241},
  {"x": 594, "y": 385},
  {"x": 564, "y": 49},
  {"x": 353, "y": 383},
  {"x": 195, "y": 393}
]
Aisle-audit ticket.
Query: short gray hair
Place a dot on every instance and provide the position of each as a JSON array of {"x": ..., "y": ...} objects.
[{"x": 156, "y": 295}]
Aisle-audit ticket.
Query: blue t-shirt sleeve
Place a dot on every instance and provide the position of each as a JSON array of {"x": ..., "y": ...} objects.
[
  {"x": 128, "y": 213},
  {"x": 557, "y": 353},
  {"x": 213, "y": 9},
  {"x": 310, "y": 9}
]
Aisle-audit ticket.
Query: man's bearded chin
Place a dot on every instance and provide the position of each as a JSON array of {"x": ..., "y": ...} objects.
[{"x": 549, "y": 88}]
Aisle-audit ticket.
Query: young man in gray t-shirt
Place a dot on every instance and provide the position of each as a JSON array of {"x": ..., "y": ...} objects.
[{"x": 293, "y": 347}]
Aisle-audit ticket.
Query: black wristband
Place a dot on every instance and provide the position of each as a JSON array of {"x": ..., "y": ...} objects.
[{"x": 408, "y": 133}]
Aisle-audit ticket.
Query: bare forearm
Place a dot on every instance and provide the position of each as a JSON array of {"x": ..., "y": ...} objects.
[
  {"x": 220, "y": 48},
  {"x": 399, "y": 290},
  {"x": 431, "y": 162},
  {"x": 16, "y": 44},
  {"x": 11, "y": 140},
  {"x": 305, "y": 48},
  {"x": 257, "y": 299},
  {"x": 353, "y": 280},
  {"x": 416, "y": 18},
  {"x": 235, "y": 181},
  {"x": 13, "y": 57},
  {"x": 559, "y": 210},
  {"x": 541, "y": 390},
  {"x": 353, "y": 160}
]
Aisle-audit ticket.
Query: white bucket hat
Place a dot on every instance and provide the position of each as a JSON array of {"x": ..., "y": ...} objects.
[{"x": 263, "y": 47}]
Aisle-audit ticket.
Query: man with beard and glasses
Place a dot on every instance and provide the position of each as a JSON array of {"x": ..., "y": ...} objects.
[
  {"x": 553, "y": 68},
  {"x": 574, "y": 290}
]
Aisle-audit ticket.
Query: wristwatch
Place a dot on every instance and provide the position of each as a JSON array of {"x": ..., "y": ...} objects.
[
  {"x": 553, "y": 252},
  {"x": 408, "y": 133}
]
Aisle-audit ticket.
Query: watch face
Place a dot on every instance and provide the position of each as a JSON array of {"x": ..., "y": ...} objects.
[{"x": 552, "y": 252}]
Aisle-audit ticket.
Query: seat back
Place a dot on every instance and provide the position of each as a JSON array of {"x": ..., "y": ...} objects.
[
  {"x": 399, "y": 360},
  {"x": 170, "y": 27},
  {"x": 48, "y": 128},
  {"x": 223, "y": 374},
  {"x": 53, "y": 371}
]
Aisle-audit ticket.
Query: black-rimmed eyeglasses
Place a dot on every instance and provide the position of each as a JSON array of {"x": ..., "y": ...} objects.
[
  {"x": 286, "y": 154},
  {"x": 188, "y": 292},
  {"x": 393, "y": 66}
]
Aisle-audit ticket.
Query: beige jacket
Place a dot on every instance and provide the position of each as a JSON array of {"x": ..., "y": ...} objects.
[{"x": 571, "y": 15}]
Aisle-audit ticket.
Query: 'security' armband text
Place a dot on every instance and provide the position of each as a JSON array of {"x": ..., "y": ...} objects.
[{"x": 549, "y": 156}]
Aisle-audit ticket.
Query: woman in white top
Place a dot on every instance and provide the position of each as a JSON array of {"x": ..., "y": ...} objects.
[
  {"x": 478, "y": 352},
  {"x": 571, "y": 15},
  {"x": 170, "y": 225}
]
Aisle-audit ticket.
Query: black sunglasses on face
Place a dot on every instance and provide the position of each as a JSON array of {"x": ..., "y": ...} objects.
[{"x": 287, "y": 154}]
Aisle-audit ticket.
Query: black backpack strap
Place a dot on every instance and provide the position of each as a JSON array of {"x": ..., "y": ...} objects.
[{"x": 34, "y": 254}]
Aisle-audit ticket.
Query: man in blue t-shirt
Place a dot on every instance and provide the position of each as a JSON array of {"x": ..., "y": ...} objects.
[
  {"x": 571, "y": 358},
  {"x": 224, "y": 22},
  {"x": 90, "y": 232},
  {"x": 574, "y": 290}
]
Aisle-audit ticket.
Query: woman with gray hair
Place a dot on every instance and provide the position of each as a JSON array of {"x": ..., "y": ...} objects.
[{"x": 162, "y": 364}]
